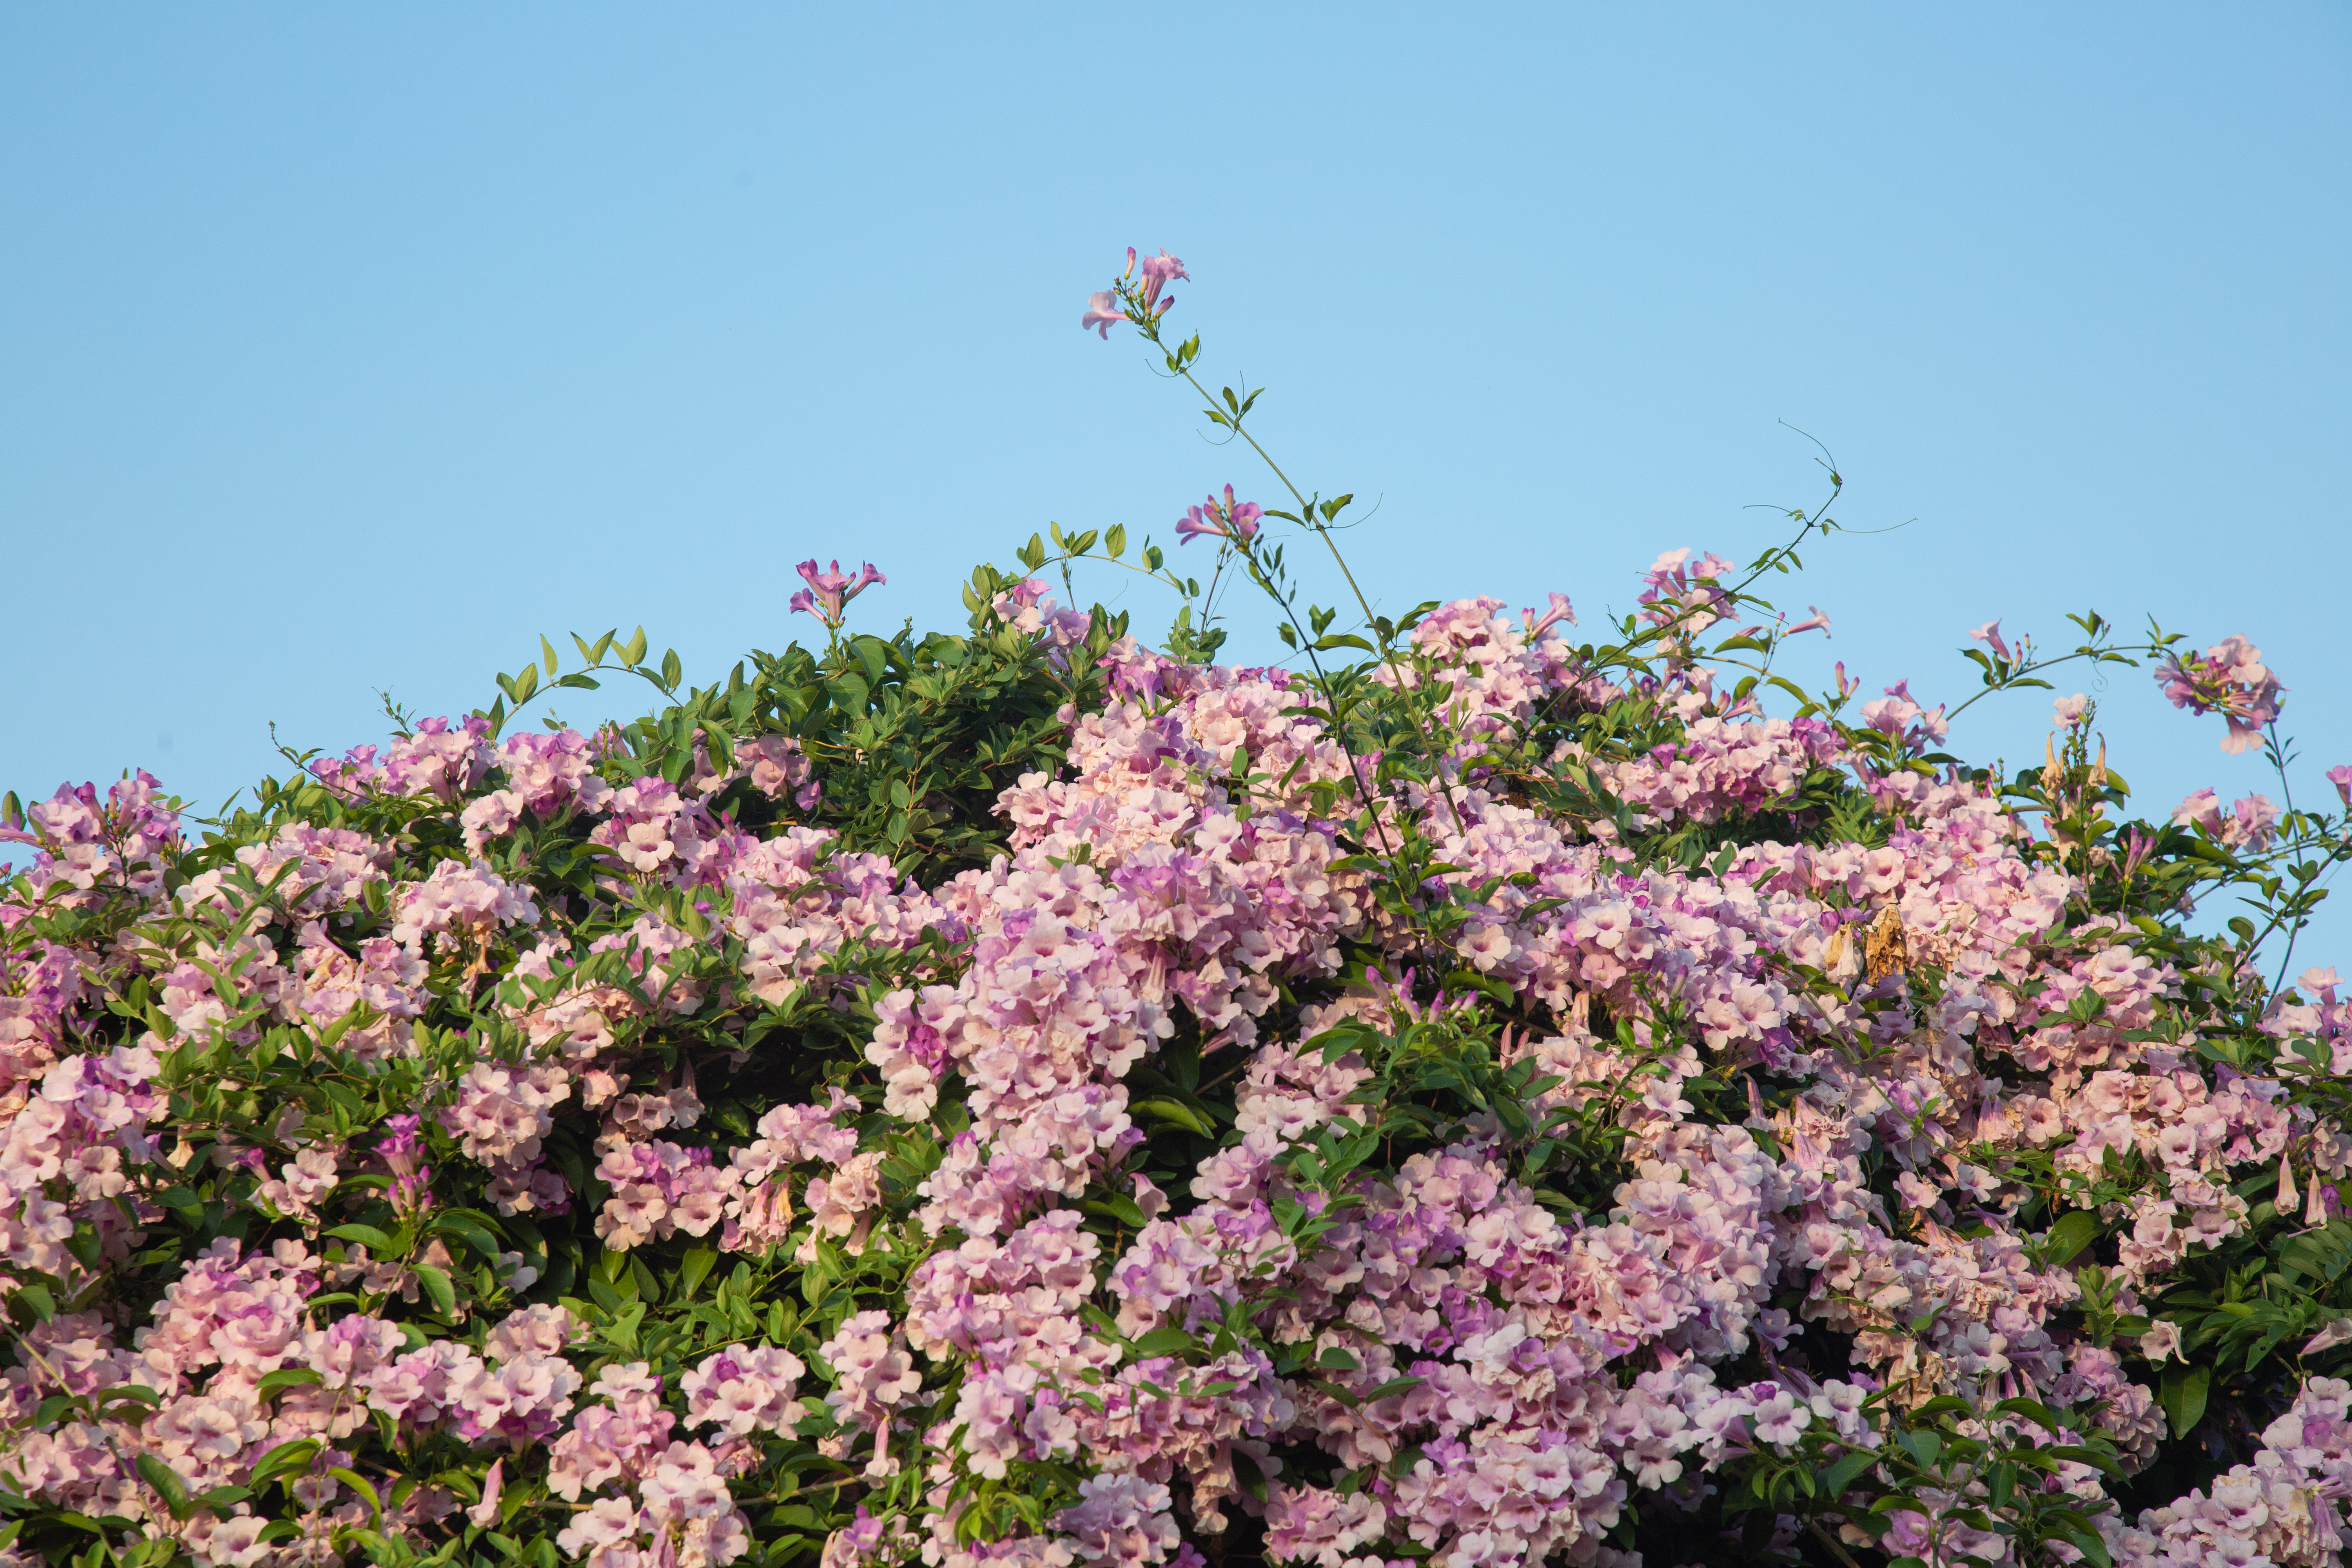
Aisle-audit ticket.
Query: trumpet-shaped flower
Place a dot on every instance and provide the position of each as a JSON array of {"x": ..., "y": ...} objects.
[
  {"x": 1103, "y": 311},
  {"x": 829, "y": 592},
  {"x": 2229, "y": 678},
  {"x": 1158, "y": 271},
  {"x": 1227, "y": 519}
]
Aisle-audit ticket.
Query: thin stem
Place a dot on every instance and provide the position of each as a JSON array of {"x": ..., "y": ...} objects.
[
  {"x": 1150, "y": 325},
  {"x": 1305, "y": 508},
  {"x": 2022, "y": 671},
  {"x": 1372, "y": 622},
  {"x": 1831, "y": 1542}
]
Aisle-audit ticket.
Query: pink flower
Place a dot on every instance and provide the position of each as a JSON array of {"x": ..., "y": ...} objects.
[
  {"x": 1229, "y": 520},
  {"x": 1683, "y": 594},
  {"x": 485, "y": 1513},
  {"x": 1816, "y": 622},
  {"x": 2341, "y": 777},
  {"x": 2202, "y": 809},
  {"x": 828, "y": 593},
  {"x": 1102, "y": 310},
  {"x": 1780, "y": 1419},
  {"x": 2069, "y": 710},
  {"x": 2229, "y": 678},
  {"x": 1561, "y": 610},
  {"x": 1158, "y": 271},
  {"x": 412, "y": 1180},
  {"x": 2254, "y": 822},
  {"x": 1991, "y": 632}
]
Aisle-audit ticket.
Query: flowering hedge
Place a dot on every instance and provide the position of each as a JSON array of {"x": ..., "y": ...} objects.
[{"x": 1483, "y": 1094}]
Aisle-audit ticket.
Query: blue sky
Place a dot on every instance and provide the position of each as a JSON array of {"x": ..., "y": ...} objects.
[{"x": 348, "y": 350}]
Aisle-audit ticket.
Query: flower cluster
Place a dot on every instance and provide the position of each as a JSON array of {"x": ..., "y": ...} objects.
[
  {"x": 2229, "y": 678},
  {"x": 1026, "y": 1097}
]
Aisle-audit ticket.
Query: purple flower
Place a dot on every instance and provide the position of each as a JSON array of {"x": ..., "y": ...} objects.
[
  {"x": 1226, "y": 519},
  {"x": 2229, "y": 678},
  {"x": 1816, "y": 622},
  {"x": 2341, "y": 777},
  {"x": 485, "y": 1513},
  {"x": 1102, "y": 310},
  {"x": 1158, "y": 271},
  {"x": 399, "y": 1149},
  {"x": 2254, "y": 822},
  {"x": 1991, "y": 632},
  {"x": 412, "y": 1180},
  {"x": 1561, "y": 610},
  {"x": 828, "y": 593}
]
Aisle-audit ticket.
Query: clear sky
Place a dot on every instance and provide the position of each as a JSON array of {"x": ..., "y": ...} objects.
[{"x": 349, "y": 349}]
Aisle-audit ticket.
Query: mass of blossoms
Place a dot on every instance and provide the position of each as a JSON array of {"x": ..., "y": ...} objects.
[{"x": 1485, "y": 1092}]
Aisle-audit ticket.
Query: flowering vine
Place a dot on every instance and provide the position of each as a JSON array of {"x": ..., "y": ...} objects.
[{"x": 1481, "y": 1091}]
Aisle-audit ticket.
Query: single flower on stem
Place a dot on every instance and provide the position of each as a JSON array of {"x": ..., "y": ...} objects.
[
  {"x": 1561, "y": 610},
  {"x": 828, "y": 593},
  {"x": 2341, "y": 777},
  {"x": 1103, "y": 309},
  {"x": 1816, "y": 622},
  {"x": 1990, "y": 633}
]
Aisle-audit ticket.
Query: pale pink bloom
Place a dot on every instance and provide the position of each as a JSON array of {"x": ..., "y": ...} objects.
[
  {"x": 1560, "y": 610},
  {"x": 829, "y": 592},
  {"x": 485, "y": 1513},
  {"x": 1102, "y": 311},
  {"x": 1158, "y": 271},
  {"x": 1225, "y": 520}
]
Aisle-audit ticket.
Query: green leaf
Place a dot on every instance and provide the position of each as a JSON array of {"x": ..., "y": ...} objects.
[
  {"x": 1170, "y": 1341},
  {"x": 293, "y": 1456},
  {"x": 367, "y": 1235},
  {"x": 166, "y": 1481},
  {"x": 471, "y": 1234},
  {"x": 2088, "y": 1541},
  {"x": 1165, "y": 1109},
  {"x": 1334, "y": 1359},
  {"x": 1247, "y": 1473},
  {"x": 1837, "y": 1478},
  {"x": 361, "y": 1485},
  {"x": 437, "y": 1286},
  {"x": 287, "y": 1377},
  {"x": 2182, "y": 1395}
]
